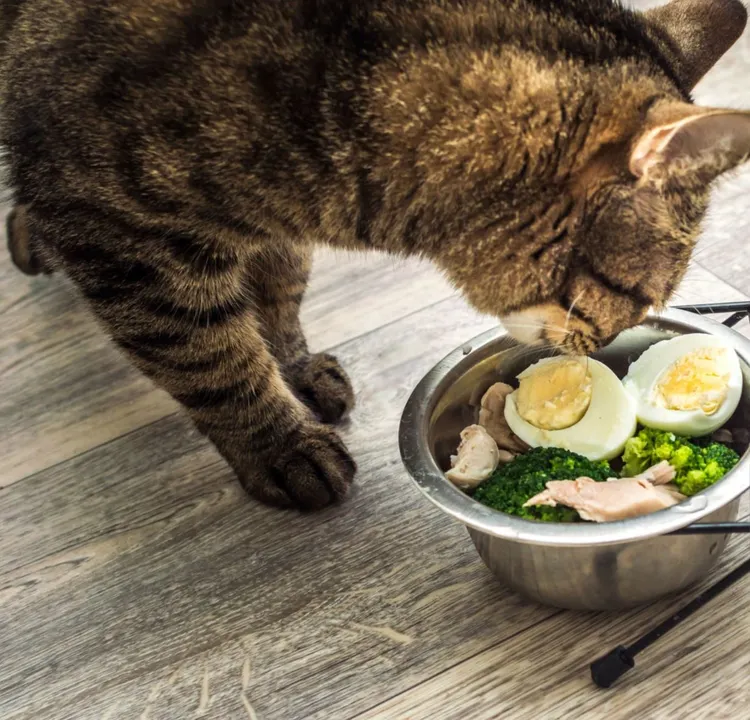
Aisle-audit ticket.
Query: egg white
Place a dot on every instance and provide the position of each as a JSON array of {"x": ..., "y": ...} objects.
[
  {"x": 600, "y": 434},
  {"x": 646, "y": 372}
]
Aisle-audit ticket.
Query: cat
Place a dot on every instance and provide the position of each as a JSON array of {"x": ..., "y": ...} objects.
[{"x": 179, "y": 159}]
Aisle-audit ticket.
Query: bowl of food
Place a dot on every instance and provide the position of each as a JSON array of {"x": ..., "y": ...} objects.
[{"x": 575, "y": 476}]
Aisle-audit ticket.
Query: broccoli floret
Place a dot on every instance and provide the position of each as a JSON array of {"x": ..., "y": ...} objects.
[
  {"x": 681, "y": 457},
  {"x": 638, "y": 452},
  {"x": 511, "y": 485},
  {"x": 721, "y": 454},
  {"x": 649, "y": 447},
  {"x": 713, "y": 463},
  {"x": 698, "y": 464}
]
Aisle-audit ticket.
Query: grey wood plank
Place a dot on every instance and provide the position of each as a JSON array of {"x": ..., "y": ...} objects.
[
  {"x": 530, "y": 673},
  {"x": 702, "y": 286},
  {"x": 134, "y": 558},
  {"x": 64, "y": 388},
  {"x": 699, "y": 670},
  {"x": 201, "y": 553},
  {"x": 725, "y": 246},
  {"x": 354, "y": 293}
]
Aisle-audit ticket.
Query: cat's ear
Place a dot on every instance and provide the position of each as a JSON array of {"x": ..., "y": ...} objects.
[
  {"x": 697, "y": 142},
  {"x": 701, "y": 32}
]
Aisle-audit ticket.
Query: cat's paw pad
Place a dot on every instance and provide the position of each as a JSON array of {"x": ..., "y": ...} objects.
[
  {"x": 313, "y": 470},
  {"x": 325, "y": 388}
]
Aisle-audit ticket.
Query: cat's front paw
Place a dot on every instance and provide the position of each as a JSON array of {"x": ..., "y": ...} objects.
[
  {"x": 311, "y": 471},
  {"x": 323, "y": 385}
]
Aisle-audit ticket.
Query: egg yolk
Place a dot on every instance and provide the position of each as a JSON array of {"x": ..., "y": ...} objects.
[
  {"x": 695, "y": 382},
  {"x": 555, "y": 395}
]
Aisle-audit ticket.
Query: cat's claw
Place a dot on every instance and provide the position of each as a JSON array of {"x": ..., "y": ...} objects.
[
  {"x": 323, "y": 385},
  {"x": 312, "y": 471}
]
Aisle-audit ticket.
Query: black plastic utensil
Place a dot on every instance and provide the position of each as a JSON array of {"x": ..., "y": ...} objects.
[{"x": 611, "y": 667}]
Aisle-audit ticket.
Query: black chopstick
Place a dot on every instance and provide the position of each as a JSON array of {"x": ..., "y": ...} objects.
[{"x": 726, "y": 528}]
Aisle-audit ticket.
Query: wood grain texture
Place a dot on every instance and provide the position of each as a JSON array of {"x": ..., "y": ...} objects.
[
  {"x": 64, "y": 387},
  {"x": 142, "y": 558},
  {"x": 354, "y": 293},
  {"x": 700, "y": 671},
  {"x": 156, "y": 511}
]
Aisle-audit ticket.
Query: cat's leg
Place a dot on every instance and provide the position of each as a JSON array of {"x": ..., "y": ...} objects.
[
  {"x": 279, "y": 278},
  {"x": 24, "y": 252},
  {"x": 181, "y": 309}
]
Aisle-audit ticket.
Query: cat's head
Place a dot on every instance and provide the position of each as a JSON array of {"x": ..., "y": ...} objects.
[
  {"x": 640, "y": 201},
  {"x": 637, "y": 227}
]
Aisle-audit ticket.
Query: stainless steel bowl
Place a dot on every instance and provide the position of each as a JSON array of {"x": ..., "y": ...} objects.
[{"x": 580, "y": 565}]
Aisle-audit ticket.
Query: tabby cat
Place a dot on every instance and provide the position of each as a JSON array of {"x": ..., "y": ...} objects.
[{"x": 179, "y": 159}]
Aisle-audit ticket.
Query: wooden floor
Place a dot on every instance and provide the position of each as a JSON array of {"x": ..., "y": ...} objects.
[{"x": 138, "y": 582}]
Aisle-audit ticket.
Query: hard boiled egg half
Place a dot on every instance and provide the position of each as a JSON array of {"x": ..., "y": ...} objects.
[
  {"x": 689, "y": 385},
  {"x": 574, "y": 403}
]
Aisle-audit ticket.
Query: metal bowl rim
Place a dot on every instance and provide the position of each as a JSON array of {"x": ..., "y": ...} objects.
[{"x": 426, "y": 473}]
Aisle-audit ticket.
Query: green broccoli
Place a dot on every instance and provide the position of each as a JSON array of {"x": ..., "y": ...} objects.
[
  {"x": 511, "y": 485},
  {"x": 698, "y": 464}
]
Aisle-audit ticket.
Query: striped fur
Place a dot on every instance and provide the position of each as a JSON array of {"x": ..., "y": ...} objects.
[{"x": 179, "y": 159}]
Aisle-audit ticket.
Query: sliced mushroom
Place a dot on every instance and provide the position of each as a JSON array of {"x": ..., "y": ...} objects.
[
  {"x": 477, "y": 458},
  {"x": 492, "y": 418}
]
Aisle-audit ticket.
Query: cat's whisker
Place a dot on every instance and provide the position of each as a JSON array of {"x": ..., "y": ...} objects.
[{"x": 576, "y": 300}]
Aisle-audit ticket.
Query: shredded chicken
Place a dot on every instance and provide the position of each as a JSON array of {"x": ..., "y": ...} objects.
[
  {"x": 477, "y": 458},
  {"x": 492, "y": 418},
  {"x": 660, "y": 474},
  {"x": 616, "y": 499}
]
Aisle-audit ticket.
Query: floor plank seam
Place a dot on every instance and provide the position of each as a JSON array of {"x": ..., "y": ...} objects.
[
  {"x": 700, "y": 264},
  {"x": 331, "y": 349},
  {"x": 553, "y": 614},
  {"x": 543, "y": 621},
  {"x": 115, "y": 531}
]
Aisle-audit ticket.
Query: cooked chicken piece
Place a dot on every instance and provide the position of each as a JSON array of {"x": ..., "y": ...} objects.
[
  {"x": 660, "y": 474},
  {"x": 615, "y": 499},
  {"x": 492, "y": 417},
  {"x": 476, "y": 458}
]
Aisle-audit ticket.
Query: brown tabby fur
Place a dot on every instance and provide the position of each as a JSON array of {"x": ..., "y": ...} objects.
[{"x": 180, "y": 158}]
